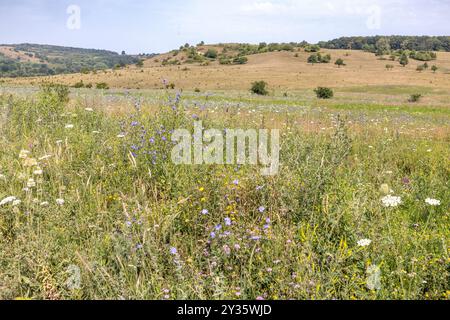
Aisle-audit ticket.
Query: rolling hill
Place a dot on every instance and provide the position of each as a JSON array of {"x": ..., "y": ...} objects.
[
  {"x": 283, "y": 70},
  {"x": 23, "y": 60}
]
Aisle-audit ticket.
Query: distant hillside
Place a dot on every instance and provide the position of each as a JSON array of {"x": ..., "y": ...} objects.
[
  {"x": 25, "y": 60},
  {"x": 415, "y": 43}
]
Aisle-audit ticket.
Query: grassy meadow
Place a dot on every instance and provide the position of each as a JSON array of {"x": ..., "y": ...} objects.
[{"x": 92, "y": 207}]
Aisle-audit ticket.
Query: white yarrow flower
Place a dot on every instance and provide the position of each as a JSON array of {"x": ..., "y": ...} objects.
[
  {"x": 69, "y": 126},
  {"x": 31, "y": 183},
  {"x": 7, "y": 200},
  {"x": 433, "y": 202},
  {"x": 38, "y": 172},
  {"x": 364, "y": 242},
  {"x": 16, "y": 203},
  {"x": 391, "y": 201},
  {"x": 89, "y": 109},
  {"x": 24, "y": 154},
  {"x": 60, "y": 201},
  {"x": 44, "y": 204},
  {"x": 120, "y": 136}
]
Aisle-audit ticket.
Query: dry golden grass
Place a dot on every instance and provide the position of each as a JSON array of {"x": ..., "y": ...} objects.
[
  {"x": 10, "y": 53},
  {"x": 282, "y": 70}
]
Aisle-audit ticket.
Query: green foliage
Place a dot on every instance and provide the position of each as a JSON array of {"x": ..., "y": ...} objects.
[
  {"x": 319, "y": 58},
  {"x": 339, "y": 62},
  {"x": 259, "y": 88},
  {"x": 412, "y": 43},
  {"x": 415, "y": 97},
  {"x": 312, "y": 48},
  {"x": 60, "y": 60},
  {"x": 240, "y": 60},
  {"x": 102, "y": 86},
  {"x": 211, "y": 54},
  {"x": 324, "y": 93},
  {"x": 434, "y": 68},
  {"x": 404, "y": 61},
  {"x": 423, "y": 56}
]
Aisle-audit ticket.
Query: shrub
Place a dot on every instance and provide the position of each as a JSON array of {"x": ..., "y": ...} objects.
[
  {"x": 324, "y": 93},
  {"x": 259, "y": 87},
  {"x": 434, "y": 69},
  {"x": 102, "y": 86},
  {"x": 415, "y": 97},
  {"x": 404, "y": 60},
  {"x": 240, "y": 60},
  {"x": 211, "y": 53},
  {"x": 420, "y": 68},
  {"x": 79, "y": 85},
  {"x": 389, "y": 67},
  {"x": 339, "y": 62}
]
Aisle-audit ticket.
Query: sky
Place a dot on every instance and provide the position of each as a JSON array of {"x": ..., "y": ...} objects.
[{"x": 155, "y": 26}]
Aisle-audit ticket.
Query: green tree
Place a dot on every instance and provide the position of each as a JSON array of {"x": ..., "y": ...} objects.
[
  {"x": 404, "y": 61},
  {"x": 434, "y": 69},
  {"x": 383, "y": 46}
]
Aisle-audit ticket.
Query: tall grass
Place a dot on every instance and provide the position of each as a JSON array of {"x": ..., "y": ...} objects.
[{"x": 135, "y": 225}]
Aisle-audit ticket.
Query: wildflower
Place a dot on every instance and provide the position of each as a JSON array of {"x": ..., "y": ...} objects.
[
  {"x": 205, "y": 211},
  {"x": 364, "y": 242},
  {"x": 69, "y": 126},
  {"x": 391, "y": 201},
  {"x": 433, "y": 202},
  {"x": 38, "y": 172},
  {"x": 373, "y": 280},
  {"x": 226, "y": 249},
  {"x": 236, "y": 182},
  {"x": 218, "y": 227},
  {"x": 2, "y": 177},
  {"x": 120, "y": 136},
  {"x": 173, "y": 251},
  {"x": 269, "y": 270},
  {"x": 30, "y": 162},
  {"x": 261, "y": 209},
  {"x": 88, "y": 109},
  {"x": 7, "y": 200},
  {"x": 237, "y": 247},
  {"x": 139, "y": 246},
  {"x": 227, "y": 221},
  {"x": 255, "y": 238},
  {"x": 213, "y": 235},
  {"x": 44, "y": 204},
  {"x": 259, "y": 298},
  {"x": 258, "y": 188},
  {"x": 31, "y": 183},
  {"x": 60, "y": 202},
  {"x": 23, "y": 154},
  {"x": 384, "y": 189}
]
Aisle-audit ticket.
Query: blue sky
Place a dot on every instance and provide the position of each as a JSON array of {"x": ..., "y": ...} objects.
[{"x": 138, "y": 26}]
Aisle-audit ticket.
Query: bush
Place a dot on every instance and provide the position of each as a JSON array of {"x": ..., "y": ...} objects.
[
  {"x": 79, "y": 85},
  {"x": 259, "y": 87},
  {"x": 102, "y": 86},
  {"x": 211, "y": 53},
  {"x": 240, "y": 60},
  {"x": 339, "y": 62},
  {"x": 415, "y": 97},
  {"x": 324, "y": 93}
]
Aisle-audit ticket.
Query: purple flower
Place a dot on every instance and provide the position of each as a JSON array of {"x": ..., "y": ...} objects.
[
  {"x": 173, "y": 251},
  {"x": 134, "y": 123},
  {"x": 218, "y": 227},
  {"x": 261, "y": 209},
  {"x": 236, "y": 182},
  {"x": 205, "y": 211},
  {"x": 255, "y": 238},
  {"x": 227, "y": 221},
  {"x": 213, "y": 235}
]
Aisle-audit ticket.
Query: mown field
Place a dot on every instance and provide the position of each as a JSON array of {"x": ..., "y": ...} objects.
[{"x": 92, "y": 207}]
